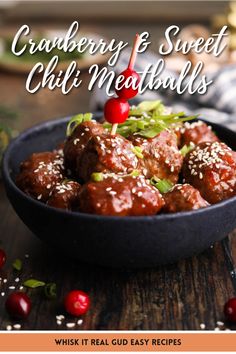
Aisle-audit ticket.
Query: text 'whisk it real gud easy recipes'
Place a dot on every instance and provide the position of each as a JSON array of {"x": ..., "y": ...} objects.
[
  {"x": 190, "y": 78},
  {"x": 118, "y": 342}
]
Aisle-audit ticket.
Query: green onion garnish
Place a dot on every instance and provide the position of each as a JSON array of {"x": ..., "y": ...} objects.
[
  {"x": 137, "y": 150},
  {"x": 163, "y": 185},
  {"x": 134, "y": 173},
  {"x": 148, "y": 119},
  {"x": 147, "y": 106},
  {"x": 17, "y": 264},
  {"x": 186, "y": 149},
  {"x": 50, "y": 290},
  {"x": 76, "y": 120},
  {"x": 97, "y": 176},
  {"x": 33, "y": 283}
]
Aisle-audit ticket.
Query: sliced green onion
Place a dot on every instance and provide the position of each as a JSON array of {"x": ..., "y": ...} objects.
[
  {"x": 97, "y": 176},
  {"x": 152, "y": 132},
  {"x": 147, "y": 106},
  {"x": 148, "y": 120},
  {"x": 76, "y": 120},
  {"x": 33, "y": 283},
  {"x": 135, "y": 173},
  {"x": 186, "y": 149},
  {"x": 87, "y": 117},
  {"x": 138, "y": 151},
  {"x": 50, "y": 290},
  {"x": 17, "y": 264},
  {"x": 163, "y": 185},
  {"x": 142, "y": 124}
]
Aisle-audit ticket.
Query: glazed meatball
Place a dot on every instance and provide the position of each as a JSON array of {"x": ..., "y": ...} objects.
[
  {"x": 183, "y": 197},
  {"x": 161, "y": 156},
  {"x": 106, "y": 153},
  {"x": 211, "y": 168},
  {"x": 64, "y": 195},
  {"x": 39, "y": 174},
  {"x": 196, "y": 133},
  {"x": 121, "y": 196},
  {"x": 77, "y": 141}
]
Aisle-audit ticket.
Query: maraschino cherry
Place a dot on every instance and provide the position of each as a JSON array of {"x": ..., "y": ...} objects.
[
  {"x": 130, "y": 75},
  {"x": 77, "y": 302},
  {"x": 116, "y": 110}
]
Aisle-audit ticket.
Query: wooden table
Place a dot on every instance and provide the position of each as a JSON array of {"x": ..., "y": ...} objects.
[{"x": 174, "y": 297}]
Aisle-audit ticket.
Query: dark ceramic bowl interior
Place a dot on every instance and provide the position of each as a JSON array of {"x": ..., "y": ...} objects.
[{"x": 114, "y": 241}]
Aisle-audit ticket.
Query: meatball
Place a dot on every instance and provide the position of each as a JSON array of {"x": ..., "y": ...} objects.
[
  {"x": 211, "y": 168},
  {"x": 196, "y": 133},
  {"x": 161, "y": 156},
  {"x": 39, "y": 174},
  {"x": 183, "y": 197},
  {"x": 106, "y": 153},
  {"x": 77, "y": 141},
  {"x": 64, "y": 195},
  {"x": 121, "y": 196}
]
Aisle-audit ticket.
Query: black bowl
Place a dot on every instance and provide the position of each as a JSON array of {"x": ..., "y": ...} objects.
[{"x": 142, "y": 241}]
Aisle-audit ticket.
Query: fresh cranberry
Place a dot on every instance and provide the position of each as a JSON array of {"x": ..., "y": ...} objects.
[
  {"x": 230, "y": 310},
  {"x": 18, "y": 305},
  {"x": 116, "y": 110},
  {"x": 77, "y": 302},
  {"x": 131, "y": 77},
  {"x": 2, "y": 258}
]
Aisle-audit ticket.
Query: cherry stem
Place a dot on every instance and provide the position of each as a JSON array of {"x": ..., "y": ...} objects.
[
  {"x": 134, "y": 52},
  {"x": 113, "y": 129}
]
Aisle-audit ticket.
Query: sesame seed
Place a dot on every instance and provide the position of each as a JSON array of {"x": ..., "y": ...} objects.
[
  {"x": 12, "y": 287},
  {"x": 8, "y": 327},
  {"x": 202, "y": 325},
  {"x": 39, "y": 196},
  {"x": 220, "y": 323},
  {"x": 5, "y": 280},
  {"x": 70, "y": 325},
  {"x": 2, "y": 293},
  {"x": 59, "y": 322},
  {"x": 17, "y": 280},
  {"x": 17, "y": 326},
  {"x": 79, "y": 322}
]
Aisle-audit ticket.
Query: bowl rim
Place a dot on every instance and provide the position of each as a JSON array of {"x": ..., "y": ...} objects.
[{"x": 7, "y": 178}]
